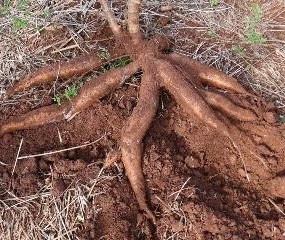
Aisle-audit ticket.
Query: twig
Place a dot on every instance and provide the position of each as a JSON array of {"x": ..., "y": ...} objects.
[
  {"x": 63, "y": 150},
  {"x": 59, "y": 136},
  {"x": 275, "y": 205},
  {"x": 17, "y": 157},
  {"x": 180, "y": 190}
]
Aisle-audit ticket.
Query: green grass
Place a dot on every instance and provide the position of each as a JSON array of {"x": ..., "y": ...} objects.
[
  {"x": 6, "y": 8},
  {"x": 19, "y": 23},
  {"x": 104, "y": 55},
  {"x": 211, "y": 33},
  {"x": 69, "y": 93},
  {"x": 214, "y": 3},
  {"x": 253, "y": 36},
  {"x": 251, "y": 33},
  {"x": 238, "y": 50},
  {"x": 121, "y": 62},
  {"x": 23, "y": 4}
]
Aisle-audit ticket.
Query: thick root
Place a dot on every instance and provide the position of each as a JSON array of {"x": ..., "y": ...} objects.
[
  {"x": 132, "y": 135},
  {"x": 91, "y": 92},
  {"x": 34, "y": 118},
  {"x": 188, "y": 97},
  {"x": 101, "y": 86},
  {"x": 77, "y": 66},
  {"x": 226, "y": 106},
  {"x": 206, "y": 74}
]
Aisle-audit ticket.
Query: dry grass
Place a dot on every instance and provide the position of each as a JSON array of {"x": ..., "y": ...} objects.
[
  {"x": 45, "y": 216},
  {"x": 213, "y": 35}
]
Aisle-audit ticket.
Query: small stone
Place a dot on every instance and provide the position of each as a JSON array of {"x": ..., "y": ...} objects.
[
  {"x": 58, "y": 187},
  {"x": 28, "y": 165},
  {"x": 164, "y": 20},
  {"x": 265, "y": 150},
  {"x": 71, "y": 154},
  {"x": 233, "y": 159},
  {"x": 276, "y": 187},
  {"x": 129, "y": 105},
  {"x": 201, "y": 155},
  {"x": 192, "y": 162},
  {"x": 272, "y": 160},
  {"x": 270, "y": 106},
  {"x": 270, "y": 117},
  {"x": 6, "y": 139},
  {"x": 242, "y": 172},
  {"x": 257, "y": 139},
  {"x": 5, "y": 177},
  {"x": 167, "y": 8},
  {"x": 281, "y": 224},
  {"x": 179, "y": 158},
  {"x": 177, "y": 227},
  {"x": 43, "y": 165},
  {"x": 267, "y": 232},
  {"x": 197, "y": 174}
]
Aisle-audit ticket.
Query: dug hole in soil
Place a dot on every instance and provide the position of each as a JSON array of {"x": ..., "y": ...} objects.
[{"x": 197, "y": 183}]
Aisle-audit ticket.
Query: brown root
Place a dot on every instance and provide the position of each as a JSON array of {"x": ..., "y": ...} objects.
[
  {"x": 133, "y": 134},
  {"x": 34, "y": 118},
  {"x": 206, "y": 74},
  {"x": 77, "y": 66},
  {"x": 101, "y": 86},
  {"x": 226, "y": 106},
  {"x": 187, "y": 96},
  {"x": 91, "y": 92}
]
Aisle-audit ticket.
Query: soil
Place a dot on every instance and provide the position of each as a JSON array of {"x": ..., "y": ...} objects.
[{"x": 215, "y": 202}]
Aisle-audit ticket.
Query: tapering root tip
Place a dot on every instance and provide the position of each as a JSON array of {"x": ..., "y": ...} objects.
[{"x": 149, "y": 215}]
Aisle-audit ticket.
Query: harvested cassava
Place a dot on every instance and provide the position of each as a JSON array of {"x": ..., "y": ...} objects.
[{"x": 182, "y": 77}]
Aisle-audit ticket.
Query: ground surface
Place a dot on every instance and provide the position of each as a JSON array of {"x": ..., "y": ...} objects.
[{"x": 197, "y": 183}]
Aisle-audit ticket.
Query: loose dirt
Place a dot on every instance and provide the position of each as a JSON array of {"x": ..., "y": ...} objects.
[{"x": 196, "y": 181}]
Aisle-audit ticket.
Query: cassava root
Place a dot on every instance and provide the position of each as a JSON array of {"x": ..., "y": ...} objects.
[{"x": 160, "y": 70}]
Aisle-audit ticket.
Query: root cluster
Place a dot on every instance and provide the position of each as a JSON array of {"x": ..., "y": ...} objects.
[{"x": 182, "y": 77}]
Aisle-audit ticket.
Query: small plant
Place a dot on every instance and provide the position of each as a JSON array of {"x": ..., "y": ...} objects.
[
  {"x": 57, "y": 99},
  {"x": 253, "y": 36},
  {"x": 46, "y": 14},
  {"x": 19, "y": 23},
  {"x": 69, "y": 93},
  {"x": 210, "y": 33},
  {"x": 5, "y": 9},
  {"x": 256, "y": 14},
  {"x": 238, "y": 50},
  {"x": 214, "y": 3},
  {"x": 23, "y": 4},
  {"x": 104, "y": 55},
  {"x": 121, "y": 62}
]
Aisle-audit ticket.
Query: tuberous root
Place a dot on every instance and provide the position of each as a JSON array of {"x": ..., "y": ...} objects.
[
  {"x": 133, "y": 134},
  {"x": 206, "y": 74},
  {"x": 187, "y": 96},
  {"x": 226, "y": 106},
  {"x": 75, "y": 67},
  {"x": 88, "y": 94}
]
